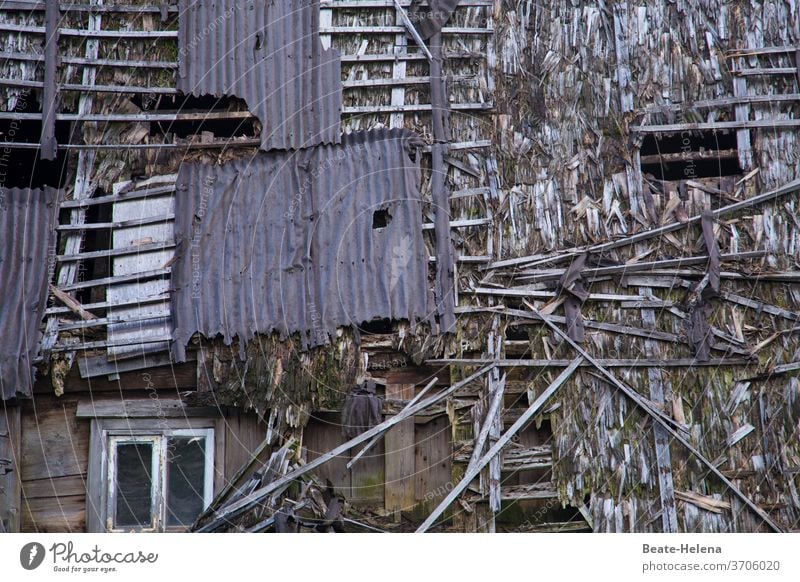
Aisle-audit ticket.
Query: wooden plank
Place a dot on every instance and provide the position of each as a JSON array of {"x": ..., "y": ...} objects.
[
  {"x": 65, "y": 514},
  {"x": 50, "y": 89},
  {"x": 244, "y": 434},
  {"x": 471, "y": 473},
  {"x": 323, "y": 458},
  {"x": 368, "y": 477},
  {"x": 159, "y": 322},
  {"x": 399, "y": 458},
  {"x": 54, "y": 442},
  {"x": 10, "y": 491},
  {"x": 432, "y": 451},
  {"x": 742, "y": 113},
  {"x": 145, "y": 408},
  {"x": 397, "y": 120},
  {"x": 95, "y": 480},
  {"x": 669, "y": 513},
  {"x": 605, "y": 362},
  {"x": 56, "y": 487},
  {"x": 323, "y": 431}
]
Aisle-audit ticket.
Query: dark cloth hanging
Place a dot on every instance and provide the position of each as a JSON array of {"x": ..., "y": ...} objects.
[
  {"x": 362, "y": 410},
  {"x": 430, "y": 19}
]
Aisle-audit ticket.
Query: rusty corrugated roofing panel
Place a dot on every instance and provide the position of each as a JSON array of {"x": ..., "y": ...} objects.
[
  {"x": 270, "y": 55},
  {"x": 290, "y": 242},
  {"x": 27, "y": 236}
]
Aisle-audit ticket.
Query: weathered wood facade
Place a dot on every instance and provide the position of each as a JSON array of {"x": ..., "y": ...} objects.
[{"x": 610, "y": 210}]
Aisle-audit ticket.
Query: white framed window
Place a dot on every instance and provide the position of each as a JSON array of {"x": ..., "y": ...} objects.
[
  {"x": 160, "y": 481},
  {"x": 150, "y": 475}
]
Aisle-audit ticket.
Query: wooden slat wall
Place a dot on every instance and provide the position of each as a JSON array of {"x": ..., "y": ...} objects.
[
  {"x": 9, "y": 469},
  {"x": 243, "y": 433},
  {"x": 159, "y": 232},
  {"x": 427, "y": 475},
  {"x": 54, "y": 462},
  {"x": 400, "y": 455}
]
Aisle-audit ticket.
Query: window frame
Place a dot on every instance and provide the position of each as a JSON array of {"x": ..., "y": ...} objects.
[{"x": 100, "y": 487}]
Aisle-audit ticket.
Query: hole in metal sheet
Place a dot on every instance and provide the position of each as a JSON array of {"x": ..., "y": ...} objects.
[{"x": 381, "y": 218}]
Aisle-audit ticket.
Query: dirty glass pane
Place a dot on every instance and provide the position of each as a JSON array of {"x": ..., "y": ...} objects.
[
  {"x": 186, "y": 462},
  {"x": 133, "y": 484}
]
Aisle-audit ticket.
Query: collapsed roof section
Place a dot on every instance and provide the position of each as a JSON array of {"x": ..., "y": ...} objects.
[
  {"x": 300, "y": 242},
  {"x": 269, "y": 54},
  {"x": 27, "y": 233}
]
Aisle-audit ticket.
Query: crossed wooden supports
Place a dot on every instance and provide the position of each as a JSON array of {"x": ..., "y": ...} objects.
[{"x": 478, "y": 462}]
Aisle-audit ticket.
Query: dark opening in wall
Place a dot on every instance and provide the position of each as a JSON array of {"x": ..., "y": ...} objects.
[
  {"x": 690, "y": 155},
  {"x": 93, "y": 239},
  {"x": 376, "y": 327},
  {"x": 209, "y": 109},
  {"x": 381, "y": 218},
  {"x": 21, "y": 167}
]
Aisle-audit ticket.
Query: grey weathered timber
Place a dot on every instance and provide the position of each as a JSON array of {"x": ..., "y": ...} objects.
[
  {"x": 254, "y": 497},
  {"x": 530, "y": 261},
  {"x": 669, "y": 512},
  {"x": 666, "y": 422},
  {"x": 470, "y": 474},
  {"x": 50, "y": 89},
  {"x": 377, "y": 437}
]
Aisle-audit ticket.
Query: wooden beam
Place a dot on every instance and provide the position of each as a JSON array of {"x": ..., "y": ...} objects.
[
  {"x": 399, "y": 457},
  {"x": 530, "y": 261},
  {"x": 666, "y": 422},
  {"x": 50, "y": 89},
  {"x": 377, "y": 437},
  {"x": 253, "y": 498},
  {"x": 669, "y": 512},
  {"x": 523, "y": 420}
]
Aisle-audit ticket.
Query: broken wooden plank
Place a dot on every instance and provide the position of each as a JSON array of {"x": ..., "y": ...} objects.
[
  {"x": 703, "y": 501},
  {"x": 779, "y": 192},
  {"x": 72, "y": 304},
  {"x": 470, "y": 474},
  {"x": 667, "y": 423},
  {"x": 253, "y": 498}
]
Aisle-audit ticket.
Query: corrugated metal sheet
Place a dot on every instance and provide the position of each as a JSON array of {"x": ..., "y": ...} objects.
[
  {"x": 27, "y": 236},
  {"x": 270, "y": 55},
  {"x": 288, "y": 242}
]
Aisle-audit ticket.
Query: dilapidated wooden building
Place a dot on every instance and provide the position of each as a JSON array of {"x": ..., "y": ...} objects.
[{"x": 400, "y": 265}]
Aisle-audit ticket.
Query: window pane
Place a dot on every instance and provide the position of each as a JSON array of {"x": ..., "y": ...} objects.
[
  {"x": 134, "y": 485},
  {"x": 186, "y": 464}
]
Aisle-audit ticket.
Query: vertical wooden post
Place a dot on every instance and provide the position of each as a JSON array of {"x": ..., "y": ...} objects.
[
  {"x": 10, "y": 481},
  {"x": 399, "y": 476},
  {"x": 669, "y": 514},
  {"x": 48, "y": 142},
  {"x": 742, "y": 112}
]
